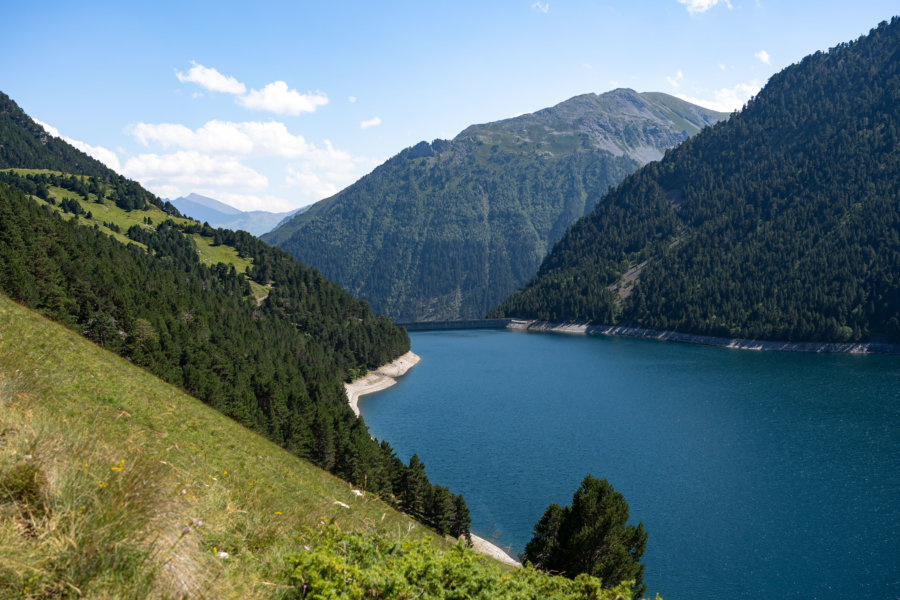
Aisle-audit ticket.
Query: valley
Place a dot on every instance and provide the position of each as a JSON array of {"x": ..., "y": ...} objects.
[{"x": 552, "y": 304}]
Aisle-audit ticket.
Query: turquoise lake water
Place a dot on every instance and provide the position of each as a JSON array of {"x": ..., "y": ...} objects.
[{"x": 756, "y": 474}]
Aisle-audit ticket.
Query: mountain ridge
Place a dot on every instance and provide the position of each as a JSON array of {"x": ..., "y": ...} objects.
[
  {"x": 778, "y": 224},
  {"x": 219, "y": 214},
  {"x": 446, "y": 230}
]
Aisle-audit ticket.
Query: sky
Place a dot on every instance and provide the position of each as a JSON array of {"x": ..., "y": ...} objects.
[{"x": 274, "y": 106}]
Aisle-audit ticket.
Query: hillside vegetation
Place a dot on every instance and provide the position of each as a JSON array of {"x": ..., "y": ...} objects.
[
  {"x": 447, "y": 230},
  {"x": 268, "y": 345},
  {"x": 781, "y": 223},
  {"x": 114, "y": 484}
]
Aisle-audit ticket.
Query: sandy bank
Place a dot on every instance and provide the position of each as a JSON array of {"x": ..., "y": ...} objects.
[
  {"x": 706, "y": 340},
  {"x": 380, "y": 379},
  {"x": 482, "y": 546}
]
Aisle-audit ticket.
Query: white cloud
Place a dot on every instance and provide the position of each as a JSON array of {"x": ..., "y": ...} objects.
[
  {"x": 764, "y": 57},
  {"x": 351, "y": 99},
  {"x": 251, "y": 138},
  {"x": 544, "y": 7},
  {"x": 104, "y": 155},
  {"x": 313, "y": 187},
  {"x": 699, "y": 6},
  {"x": 191, "y": 169},
  {"x": 325, "y": 171},
  {"x": 170, "y": 192},
  {"x": 211, "y": 80},
  {"x": 374, "y": 122},
  {"x": 676, "y": 81},
  {"x": 210, "y": 156},
  {"x": 277, "y": 98},
  {"x": 727, "y": 99}
]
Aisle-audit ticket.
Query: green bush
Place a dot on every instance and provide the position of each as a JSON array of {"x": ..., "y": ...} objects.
[{"x": 366, "y": 565}]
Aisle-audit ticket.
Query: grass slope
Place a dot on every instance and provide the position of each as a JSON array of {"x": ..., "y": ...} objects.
[
  {"x": 114, "y": 484},
  {"x": 80, "y": 412},
  {"x": 105, "y": 213}
]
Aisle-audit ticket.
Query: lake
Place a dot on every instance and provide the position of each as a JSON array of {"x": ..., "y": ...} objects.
[{"x": 756, "y": 474}]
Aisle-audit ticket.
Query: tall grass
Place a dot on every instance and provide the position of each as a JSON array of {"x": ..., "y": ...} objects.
[{"x": 103, "y": 467}]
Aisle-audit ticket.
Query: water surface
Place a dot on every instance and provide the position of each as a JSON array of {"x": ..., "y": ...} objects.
[{"x": 756, "y": 474}]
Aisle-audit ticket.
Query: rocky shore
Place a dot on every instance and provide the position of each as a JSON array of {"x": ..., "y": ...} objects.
[{"x": 706, "y": 340}]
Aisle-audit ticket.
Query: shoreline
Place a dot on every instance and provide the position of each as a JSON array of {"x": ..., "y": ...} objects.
[
  {"x": 381, "y": 379},
  {"x": 482, "y": 546},
  {"x": 705, "y": 340}
]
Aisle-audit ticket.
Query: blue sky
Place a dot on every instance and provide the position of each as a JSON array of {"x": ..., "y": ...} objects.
[{"x": 276, "y": 105}]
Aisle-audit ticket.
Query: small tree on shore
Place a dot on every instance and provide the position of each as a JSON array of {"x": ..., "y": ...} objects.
[{"x": 590, "y": 536}]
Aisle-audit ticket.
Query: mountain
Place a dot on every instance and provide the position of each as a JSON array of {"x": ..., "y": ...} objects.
[
  {"x": 219, "y": 214},
  {"x": 446, "y": 230},
  {"x": 782, "y": 223},
  {"x": 219, "y": 314}
]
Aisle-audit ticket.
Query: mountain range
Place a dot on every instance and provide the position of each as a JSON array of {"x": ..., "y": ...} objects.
[
  {"x": 219, "y": 214},
  {"x": 446, "y": 230}
]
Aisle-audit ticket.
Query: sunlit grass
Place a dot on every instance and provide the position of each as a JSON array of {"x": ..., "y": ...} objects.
[
  {"x": 127, "y": 469},
  {"x": 106, "y": 213}
]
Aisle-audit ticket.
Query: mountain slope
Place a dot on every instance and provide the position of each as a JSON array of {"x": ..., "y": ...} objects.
[
  {"x": 232, "y": 321},
  {"x": 114, "y": 484},
  {"x": 219, "y": 214},
  {"x": 446, "y": 230},
  {"x": 781, "y": 223},
  {"x": 26, "y": 144}
]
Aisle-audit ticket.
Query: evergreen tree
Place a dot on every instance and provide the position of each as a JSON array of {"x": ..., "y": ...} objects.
[{"x": 590, "y": 536}]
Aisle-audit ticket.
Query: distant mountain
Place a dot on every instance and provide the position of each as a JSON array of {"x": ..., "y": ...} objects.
[
  {"x": 782, "y": 223},
  {"x": 446, "y": 230},
  {"x": 219, "y": 214}
]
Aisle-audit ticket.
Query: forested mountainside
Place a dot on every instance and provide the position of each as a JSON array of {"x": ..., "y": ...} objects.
[
  {"x": 782, "y": 223},
  {"x": 24, "y": 142},
  {"x": 447, "y": 230},
  {"x": 269, "y": 347}
]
